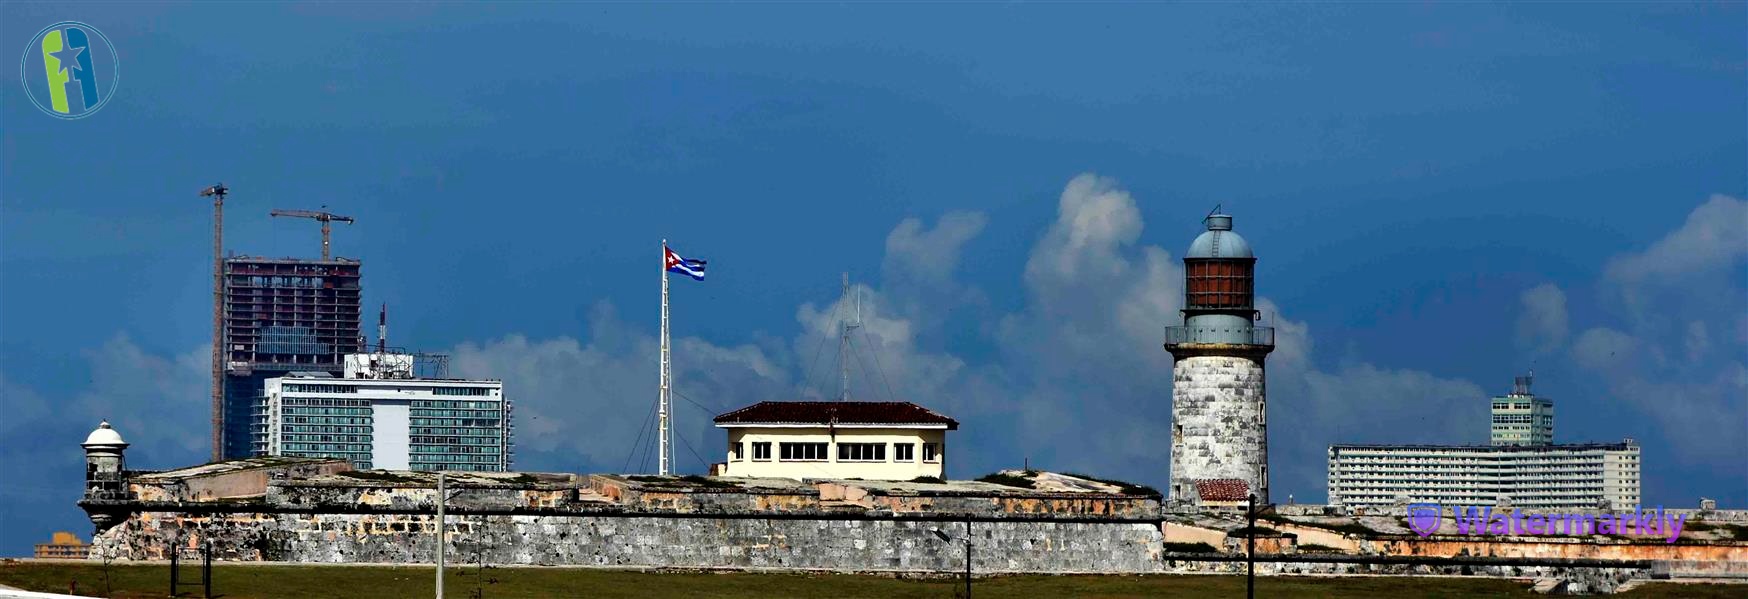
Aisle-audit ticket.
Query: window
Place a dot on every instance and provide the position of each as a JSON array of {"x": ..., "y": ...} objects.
[
  {"x": 861, "y": 452},
  {"x": 931, "y": 452},
  {"x": 762, "y": 451},
  {"x": 734, "y": 449},
  {"x": 801, "y": 452},
  {"x": 904, "y": 452}
]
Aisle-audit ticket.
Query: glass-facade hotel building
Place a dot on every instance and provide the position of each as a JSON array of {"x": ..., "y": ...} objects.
[{"x": 387, "y": 422}]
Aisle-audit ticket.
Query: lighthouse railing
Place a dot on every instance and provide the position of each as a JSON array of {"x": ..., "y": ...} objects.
[{"x": 1180, "y": 335}]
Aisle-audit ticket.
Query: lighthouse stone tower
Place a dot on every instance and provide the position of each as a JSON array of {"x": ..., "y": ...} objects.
[{"x": 1219, "y": 433}]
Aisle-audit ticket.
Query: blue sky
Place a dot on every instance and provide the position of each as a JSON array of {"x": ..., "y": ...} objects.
[{"x": 1441, "y": 196}]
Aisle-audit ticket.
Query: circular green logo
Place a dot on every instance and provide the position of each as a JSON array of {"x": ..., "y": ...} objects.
[{"x": 70, "y": 70}]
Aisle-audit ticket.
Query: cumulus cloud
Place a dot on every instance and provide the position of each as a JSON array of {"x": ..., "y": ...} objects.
[
  {"x": 582, "y": 405},
  {"x": 1603, "y": 348},
  {"x": 1714, "y": 236},
  {"x": 1653, "y": 352},
  {"x": 1543, "y": 325}
]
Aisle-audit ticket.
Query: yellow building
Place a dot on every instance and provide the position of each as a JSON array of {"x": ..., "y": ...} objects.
[
  {"x": 64, "y": 545},
  {"x": 869, "y": 440}
]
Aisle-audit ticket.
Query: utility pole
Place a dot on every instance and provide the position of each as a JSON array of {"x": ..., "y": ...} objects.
[
  {"x": 1250, "y": 552},
  {"x": 322, "y": 216},
  {"x": 217, "y": 193},
  {"x": 967, "y": 556},
  {"x": 440, "y": 536}
]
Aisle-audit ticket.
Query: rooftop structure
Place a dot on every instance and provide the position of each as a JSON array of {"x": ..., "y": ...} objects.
[
  {"x": 1219, "y": 403},
  {"x": 870, "y": 440},
  {"x": 1521, "y": 418}
]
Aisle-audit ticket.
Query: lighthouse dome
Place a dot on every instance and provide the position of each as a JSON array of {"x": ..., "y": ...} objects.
[{"x": 1219, "y": 241}]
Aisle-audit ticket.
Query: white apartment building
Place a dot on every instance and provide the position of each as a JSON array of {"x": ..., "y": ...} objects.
[
  {"x": 1531, "y": 476},
  {"x": 869, "y": 440},
  {"x": 380, "y": 417}
]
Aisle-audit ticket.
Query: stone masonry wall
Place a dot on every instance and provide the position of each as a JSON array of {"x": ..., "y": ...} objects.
[
  {"x": 655, "y": 541},
  {"x": 1218, "y": 426}
]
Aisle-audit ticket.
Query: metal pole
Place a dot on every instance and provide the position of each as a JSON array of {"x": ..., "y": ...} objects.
[
  {"x": 968, "y": 557},
  {"x": 175, "y": 560},
  {"x": 1250, "y": 553},
  {"x": 440, "y": 528},
  {"x": 666, "y": 365},
  {"x": 206, "y": 571}
]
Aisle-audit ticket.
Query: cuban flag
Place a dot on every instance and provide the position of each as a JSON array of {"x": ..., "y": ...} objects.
[{"x": 690, "y": 268}]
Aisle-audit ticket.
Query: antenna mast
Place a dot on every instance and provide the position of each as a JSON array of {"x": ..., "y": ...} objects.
[{"x": 847, "y": 326}]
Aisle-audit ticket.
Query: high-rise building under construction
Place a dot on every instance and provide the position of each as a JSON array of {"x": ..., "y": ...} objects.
[{"x": 282, "y": 315}]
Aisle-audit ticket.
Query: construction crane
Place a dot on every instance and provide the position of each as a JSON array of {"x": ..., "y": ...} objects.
[
  {"x": 322, "y": 216},
  {"x": 217, "y": 193}
]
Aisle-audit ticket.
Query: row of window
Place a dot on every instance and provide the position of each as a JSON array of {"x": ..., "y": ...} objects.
[
  {"x": 452, "y": 431},
  {"x": 434, "y": 413},
  {"x": 330, "y": 420},
  {"x": 452, "y": 422},
  {"x": 451, "y": 459},
  {"x": 306, "y": 388},
  {"x": 846, "y": 452},
  {"x": 461, "y": 391},
  {"x": 326, "y": 411},
  {"x": 330, "y": 429},
  {"x": 324, "y": 401},
  {"x": 457, "y": 404}
]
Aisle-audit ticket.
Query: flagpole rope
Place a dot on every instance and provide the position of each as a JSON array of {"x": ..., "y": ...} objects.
[
  {"x": 864, "y": 363},
  {"x": 807, "y": 378},
  {"x": 879, "y": 368},
  {"x": 688, "y": 446},
  {"x": 637, "y": 443}
]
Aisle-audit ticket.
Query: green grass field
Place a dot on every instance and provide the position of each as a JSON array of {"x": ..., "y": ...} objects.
[{"x": 246, "y": 581}]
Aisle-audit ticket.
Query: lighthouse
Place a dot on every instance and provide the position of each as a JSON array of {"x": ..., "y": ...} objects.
[{"x": 1219, "y": 402}]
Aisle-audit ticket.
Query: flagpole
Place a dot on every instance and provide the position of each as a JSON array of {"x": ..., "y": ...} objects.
[{"x": 666, "y": 365}]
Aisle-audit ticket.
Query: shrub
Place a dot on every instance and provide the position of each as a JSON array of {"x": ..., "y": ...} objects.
[{"x": 1006, "y": 480}]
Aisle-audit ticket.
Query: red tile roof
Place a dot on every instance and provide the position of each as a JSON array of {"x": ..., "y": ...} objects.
[
  {"x": 838, "y": 412},
  {"x": 1222, "y": 489}
]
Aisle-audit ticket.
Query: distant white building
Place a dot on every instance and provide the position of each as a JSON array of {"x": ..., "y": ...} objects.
[
  {"x": 869, "y": 440},
  {"x": 379, "y": 417},
  {"x": 1531, "y": 476},
  {"x": 1521, "y": 418}
]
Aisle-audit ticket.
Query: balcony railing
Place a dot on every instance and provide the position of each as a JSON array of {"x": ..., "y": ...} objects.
[{"x": 1220, "y": 335}]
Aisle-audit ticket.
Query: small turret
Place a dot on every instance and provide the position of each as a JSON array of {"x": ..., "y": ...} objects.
[{"x": 105, "y": 474}]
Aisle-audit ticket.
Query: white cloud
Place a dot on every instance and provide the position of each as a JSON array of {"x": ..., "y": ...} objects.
[
  {"x": 1653, "y": 355},
  {"x": 929, "y": 256},
  {"x": 1714, "y": 236},
  {"x": 1543, "y": 325},
  {"x": 1603, "y": 348},
  {"x": 581, "y": 405}
]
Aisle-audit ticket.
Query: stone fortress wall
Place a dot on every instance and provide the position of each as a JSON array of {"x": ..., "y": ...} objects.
[{"x": 321, "y": 512}]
